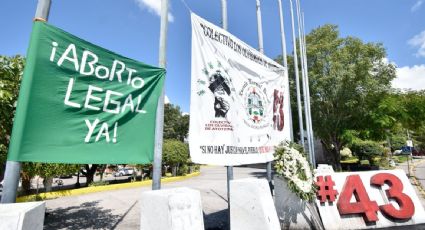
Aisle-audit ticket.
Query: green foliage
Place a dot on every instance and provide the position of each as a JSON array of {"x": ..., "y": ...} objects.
[
  {"x": 174, "y": 152},
  {"x": 176, "y": 125},
  {"x": 366, "y": 149},
  {"x": 345, "y": 153},
  {"x": 98, "y": 183},
  {"x": 46, "y": 170},
  {"x": 348, "y": 79},
  {"x": 11, "y": 69},
  {"x": 183, "y": 170}
]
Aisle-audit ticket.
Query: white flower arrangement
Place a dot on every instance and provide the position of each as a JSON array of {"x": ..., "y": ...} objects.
[{"x": 294, "y": 167}]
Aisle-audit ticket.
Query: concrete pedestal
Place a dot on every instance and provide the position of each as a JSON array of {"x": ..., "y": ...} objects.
[
  {"x": 292, "y": 211},
  {"x": 251, "y": 205},
  {"x": 22, "y": 216},
  {"x": 171, "y": 209}
]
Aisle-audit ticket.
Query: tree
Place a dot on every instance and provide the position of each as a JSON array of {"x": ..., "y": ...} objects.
[
  {"x": 176, "y": 125},
  {"x": 348, "y": 79},
  {"x": 11, "y": 69},
  {"x": 175, "y": 153}
]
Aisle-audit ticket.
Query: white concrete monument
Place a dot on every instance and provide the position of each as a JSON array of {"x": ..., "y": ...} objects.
[
  {"x": 251, "y": 205},
  {"x": 171, "y": 209},
  {"x": 22, "y": 216},
  {"x": 293, "y": 212}
]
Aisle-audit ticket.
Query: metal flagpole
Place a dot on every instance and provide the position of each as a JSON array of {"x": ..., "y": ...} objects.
[
  {"x": 159, "y": 122},
  {"x": 260, "y": 28},
  {"x": 261, "y": 49},
  {"x": 229, "y": 168},
  {"x": 13, "y": 168},
  {"x": 303, "y": 80},
  {"x": 308, "y": 91},
  {"x": 297, "y": 79},
  {"x": 285, "y": 64}
]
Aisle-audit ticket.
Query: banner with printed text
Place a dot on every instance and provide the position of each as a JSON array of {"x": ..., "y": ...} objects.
[
  {"x": 239, "y": 100},
  {"x": 80, "y": 103}
]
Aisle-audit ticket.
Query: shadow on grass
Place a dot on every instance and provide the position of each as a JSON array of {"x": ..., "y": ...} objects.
[{"x": 88, "y": 215}]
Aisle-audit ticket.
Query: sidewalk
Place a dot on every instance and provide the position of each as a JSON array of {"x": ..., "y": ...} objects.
[{"x": 417, "y": 167}]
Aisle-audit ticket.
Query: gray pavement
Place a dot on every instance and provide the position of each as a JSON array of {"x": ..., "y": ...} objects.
[
  {"x": 418, "y": 172},
  {"x": 119, "y": 209}
]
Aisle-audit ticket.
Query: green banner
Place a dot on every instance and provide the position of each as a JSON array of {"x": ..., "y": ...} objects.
[{"x": 80, "y": 103}]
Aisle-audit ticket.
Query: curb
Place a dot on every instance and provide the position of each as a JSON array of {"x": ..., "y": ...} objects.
[
  {"x": 417, "y": 183},
  {"x": 87, "y": 190}
]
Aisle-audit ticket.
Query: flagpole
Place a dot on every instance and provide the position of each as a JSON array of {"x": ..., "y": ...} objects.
[
  {"x": 308, "y": 91},
  {"x": 297, "y": 5},
  {"x": 159, "y": 122},
  {"x": 13, "y": 168},
  {"x": 297, "y": 79},
  {"x": 285, "y": 64},
  {"x": 261, "y": 49},
  {"x": 228, "y": 168}
]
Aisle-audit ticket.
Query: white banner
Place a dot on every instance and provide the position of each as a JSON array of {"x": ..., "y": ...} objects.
[{"x": 239, "y": 109}]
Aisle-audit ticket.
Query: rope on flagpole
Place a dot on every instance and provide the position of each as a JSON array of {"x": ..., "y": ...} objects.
[{"x": 186, "y": 5}]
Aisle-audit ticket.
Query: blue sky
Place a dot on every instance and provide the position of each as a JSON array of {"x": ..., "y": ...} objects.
[{"x": 131, "y": 28}]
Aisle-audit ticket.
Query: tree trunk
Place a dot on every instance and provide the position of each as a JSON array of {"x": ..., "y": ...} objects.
[
  {"x": 90, "y": 171},
  {"x": 337, "y": 155},
  {"x": 26, "y": 183},
  {"x": 47, "y": 182},
  {"x": 174, "y": 170}
]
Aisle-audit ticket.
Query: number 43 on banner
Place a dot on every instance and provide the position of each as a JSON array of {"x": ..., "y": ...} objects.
[{"x": 369, "y": 208}]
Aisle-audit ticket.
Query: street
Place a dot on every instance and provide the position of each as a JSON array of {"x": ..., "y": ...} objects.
[{"x": 119, "y": 209}]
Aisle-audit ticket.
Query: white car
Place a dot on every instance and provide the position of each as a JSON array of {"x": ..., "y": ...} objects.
[{"x": 124, "y": 172}]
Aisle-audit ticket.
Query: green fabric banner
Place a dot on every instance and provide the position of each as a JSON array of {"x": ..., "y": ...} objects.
[{"x": 80, "y": 103}]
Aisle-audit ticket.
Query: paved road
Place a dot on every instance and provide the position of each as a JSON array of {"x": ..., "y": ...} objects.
[
  {"x": 120, "y": 209},
  {"x": 419, "y": 172}
]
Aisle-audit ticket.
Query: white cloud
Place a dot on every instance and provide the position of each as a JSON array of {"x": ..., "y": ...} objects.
[
  {"x": 410, "y": 77},
  {"x": 153, "y": 6},
  {"x": 417, "y": 6},
  {"x": 166, "y": 100},
  {"x": 418, "y": 41}
]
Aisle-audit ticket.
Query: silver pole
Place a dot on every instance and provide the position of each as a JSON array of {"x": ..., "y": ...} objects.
[
  {"x": 11, "y": 182},
  {"x": 308, "y": 92},
  {"x": 297, "y": 79},
  {"x": 224, "y": 13},
  {"x": 13, "y": 168},
  {"x": 261, "y": 49},
  {"x": 43, "y": 9},
  {"x": 228, "y": 168},
  {"x": 159, "y": 122},
  {"x": 260, "y": 28},
  {"x": 285, "y": 64},
  {"x": 303, "y": 79}
]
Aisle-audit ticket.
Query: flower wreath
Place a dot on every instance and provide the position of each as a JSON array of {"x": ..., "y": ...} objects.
[{"x": 293, "y": 166}]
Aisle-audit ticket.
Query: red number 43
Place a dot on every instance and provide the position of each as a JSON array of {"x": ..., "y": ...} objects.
[{"x": 368, "y": 208}]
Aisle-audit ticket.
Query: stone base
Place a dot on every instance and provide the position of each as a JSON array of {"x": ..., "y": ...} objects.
[
  {"x": 22, "y": 216},
  {"x": 293, "y": 212},
  {"x": 251, "y": 205},
  {"x": 171, "y": 209}
]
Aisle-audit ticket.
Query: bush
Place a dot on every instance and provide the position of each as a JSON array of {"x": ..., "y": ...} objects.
[
  {"x": 367, "y": 150},
  {"x": 98, "y": 183},
  {"x": 183, "y": 170},
  {"x": 345, "y": 153}
]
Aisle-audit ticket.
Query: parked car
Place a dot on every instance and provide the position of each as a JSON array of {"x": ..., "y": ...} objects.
[{"x": 124, "y": 172}]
